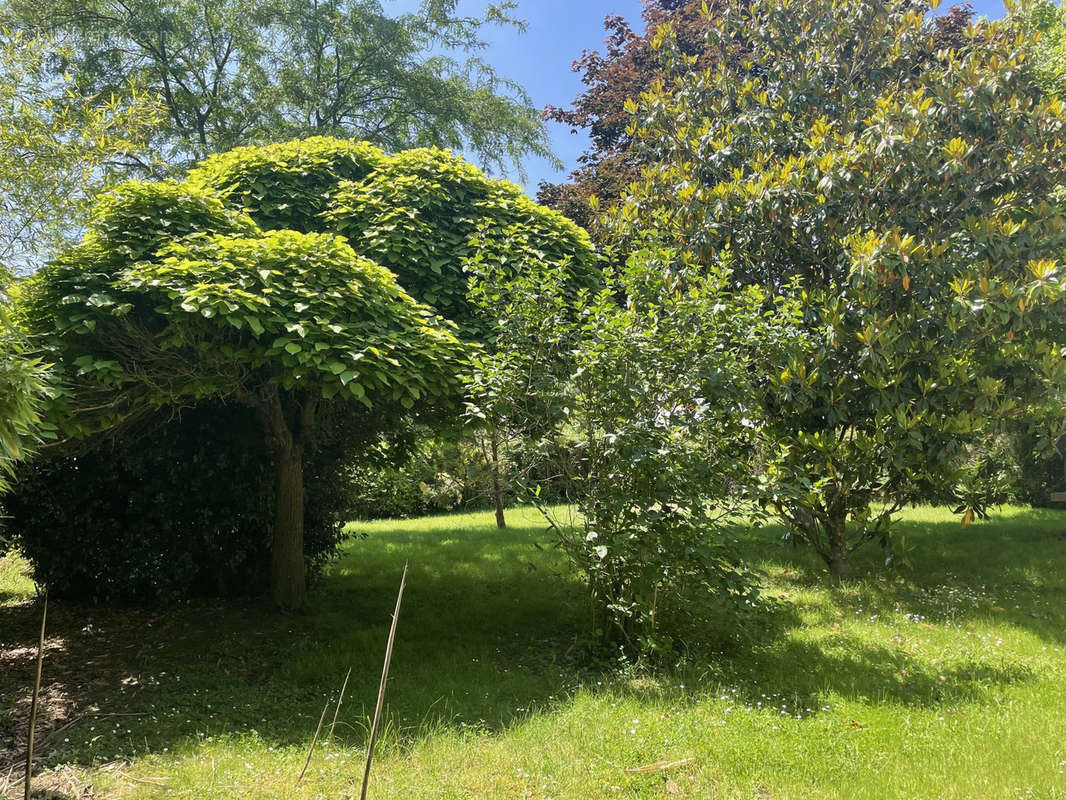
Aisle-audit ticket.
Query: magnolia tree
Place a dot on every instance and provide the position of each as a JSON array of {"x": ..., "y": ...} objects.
[
  {"x": 900, "y": 188},
  {"x": 234, "y": 287}
]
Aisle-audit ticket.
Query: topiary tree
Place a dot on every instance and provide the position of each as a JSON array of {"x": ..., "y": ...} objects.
[
  {"x": 902, "y": 190},
  {"x": 280, "y": 322},
  {"x": 219, "y": 290}
]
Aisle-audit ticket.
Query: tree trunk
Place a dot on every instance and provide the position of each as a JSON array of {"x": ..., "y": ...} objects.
[
  {"x": 287, "y": 575},
  {"x": 497, "y": 490},
  {"x": 839, "y": 552},
  {"x": 287, "y": 430}
]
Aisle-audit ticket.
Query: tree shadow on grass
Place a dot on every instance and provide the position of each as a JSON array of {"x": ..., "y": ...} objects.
[
  {"x": 486, "y": 636},
  {"x": 1010, "y": 569},
  {"x": 798, "y": 677}
]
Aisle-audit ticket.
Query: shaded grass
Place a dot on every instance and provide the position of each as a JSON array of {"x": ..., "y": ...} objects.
[{"x": 943, "y": 679}]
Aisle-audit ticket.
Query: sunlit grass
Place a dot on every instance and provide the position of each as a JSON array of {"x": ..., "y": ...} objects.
[
  {"x": 15, "y": 582},
  {"x": 942, "y": 679}
]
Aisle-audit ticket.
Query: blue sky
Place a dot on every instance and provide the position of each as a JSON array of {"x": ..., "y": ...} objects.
[{"x": 540, "y": 60}]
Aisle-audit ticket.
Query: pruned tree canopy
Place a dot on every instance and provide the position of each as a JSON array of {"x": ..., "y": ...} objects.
[{"x": 236, "y": 286}]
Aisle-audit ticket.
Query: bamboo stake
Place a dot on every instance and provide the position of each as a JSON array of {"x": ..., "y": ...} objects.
[
  {"x": 337, "y": 711},
  {"x": 33, "y": 702},
  {"x": 381, "y": 686},
  {"x": 314, "y": 741}
]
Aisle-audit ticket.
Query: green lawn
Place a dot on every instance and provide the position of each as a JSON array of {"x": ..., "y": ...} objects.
[{"x": 945, "y": 679}]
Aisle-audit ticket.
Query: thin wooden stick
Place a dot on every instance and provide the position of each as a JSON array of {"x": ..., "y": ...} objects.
[
  {"x": 314, "y": 741},
  {"x": 381, "y": 686},
  {"x": 337, "y": 711},
  {"x": 33, "y": 703}
]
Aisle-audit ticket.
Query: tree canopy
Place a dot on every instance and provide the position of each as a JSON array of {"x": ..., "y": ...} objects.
[
  {"x": 234, "y": 286},
  {"x": 238, "y": 72},
  {"x": 628, "y": 66},
  {"x": 57, "y": 148},
  {"x": 633, "y": 63},
  {"x": 904, "y": 191}
]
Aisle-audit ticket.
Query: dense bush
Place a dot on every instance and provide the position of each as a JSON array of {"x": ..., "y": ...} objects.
[
  {"x": 175, "y": 512},
  {"x": 988, "y": 474},
  {"x": 181, "y": 510}
]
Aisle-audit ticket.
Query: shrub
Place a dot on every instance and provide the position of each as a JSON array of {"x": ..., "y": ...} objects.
[
  {"x": 655, "y": 400},
  {"x": 181, "y": 508}
]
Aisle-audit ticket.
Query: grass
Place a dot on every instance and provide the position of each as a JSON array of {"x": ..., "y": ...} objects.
[{"x": 943, "y": 679}]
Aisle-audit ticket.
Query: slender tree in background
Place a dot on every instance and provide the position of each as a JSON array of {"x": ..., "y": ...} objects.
[
  {"x": 903, "y": 190},
  {"x": 239, "y": 72}
]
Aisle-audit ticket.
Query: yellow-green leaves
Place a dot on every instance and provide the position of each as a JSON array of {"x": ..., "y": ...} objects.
[
  {"x": 956, "y": 150},
  {"x": 58, "y": 145},
  {"x": 287, "y": 185},
  {"x": 894, "y": 175},
  {"x": 239, "y": 278},
  {"x": 334, "y": 321},
  {"x": 433, "y": 219}
]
